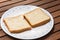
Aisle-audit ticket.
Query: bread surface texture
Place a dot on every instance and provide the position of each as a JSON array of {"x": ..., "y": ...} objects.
[
  {"x": 37, "y": 17},
  {"x": 17, "y": 24}
]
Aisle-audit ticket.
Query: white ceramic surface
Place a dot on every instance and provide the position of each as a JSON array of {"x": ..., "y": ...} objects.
[{"x": 31, "y": 34}]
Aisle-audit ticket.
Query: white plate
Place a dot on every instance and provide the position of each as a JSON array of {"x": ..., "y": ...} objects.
[{"x": 31, "y": 34}]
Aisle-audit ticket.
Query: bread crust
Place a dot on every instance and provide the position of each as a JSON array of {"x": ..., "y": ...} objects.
[
  {"x": 16, "y": 31},
  {"x": 39, "y": 23}
]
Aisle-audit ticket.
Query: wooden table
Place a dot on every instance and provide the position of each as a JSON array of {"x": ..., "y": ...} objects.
[{"x": 53, "y": 6}]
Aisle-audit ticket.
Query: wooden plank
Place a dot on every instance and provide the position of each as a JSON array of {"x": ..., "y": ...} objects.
[
  {"x": 2, "y": 0},
  {"x": 57, "y": 20},
  {"x": 9, "y": 2},
  {"x": 6, "y": 38},
  {"x": 16, "y": 4},
  {"x": 0, "y": 27},
  {"x": 54, "y": 36},
  {"x": 1, "y": 14},
  {"x": 52, "y": 9},
  {"x": 57, "y": 1},
  {"x": 50, "y": 4},
  {"x": 56, "y": 27},
  {"x": 55, "y": 14},
  {"x": 40, "y": 2},
  {"x": 12, "y": 6},
  {"x": 2, "y": 33},
  {"x": 36, "y": 3}
]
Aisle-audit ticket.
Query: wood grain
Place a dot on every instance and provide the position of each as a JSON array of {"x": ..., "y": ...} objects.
[
  {"x": 54, "y": 36},
  {"x": 55, "y": 14},
  {"x": 46, "y": 6},
  {"x": 2, "y": 33},
  {"x": 16, "y": 4},
  {"x": 9, "y": 2},
  {"x": 57, "y": 20},
  {"x": 56, "y": 27},
  {"x": 1, "y": 14},
  {"x": 6, "y": 38},
  {"x": 52, "y": 9},
  {"x": 42, "y": 2}
]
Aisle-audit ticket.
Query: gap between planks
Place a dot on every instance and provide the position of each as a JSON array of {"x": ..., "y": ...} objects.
[
  {"x": 10, "y": 2},
  {"x": 21, "y": 3},
  {"x": 54, "y": 36}
]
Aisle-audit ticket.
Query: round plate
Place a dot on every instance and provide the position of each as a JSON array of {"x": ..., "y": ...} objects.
[{"x": 30, "y": 34}]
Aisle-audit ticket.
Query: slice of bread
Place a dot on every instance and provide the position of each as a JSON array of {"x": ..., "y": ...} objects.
[
  {"x": 17, "y": 24},
  {"x": 37, "y": 17}
]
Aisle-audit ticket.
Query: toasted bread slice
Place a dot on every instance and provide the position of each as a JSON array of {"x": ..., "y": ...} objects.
[
  {"x": 37, "y": 17},
  {"x": 17, "y": 24}
]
